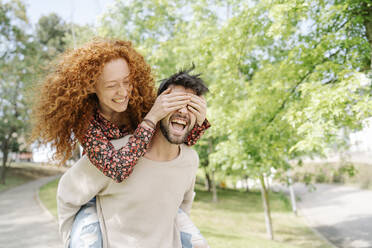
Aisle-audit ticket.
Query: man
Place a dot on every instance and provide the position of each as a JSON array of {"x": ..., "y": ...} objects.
[{"x": 141, "y": 211}]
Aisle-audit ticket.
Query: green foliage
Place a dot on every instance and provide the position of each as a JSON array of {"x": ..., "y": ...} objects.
[
  {"x": 50, "y": 32},
  {"x": 14, "y": 74},
  {"x": 24, "y": 55},
  {"x": 285, "y": 77},
  {"x": 343, "y": 172}
]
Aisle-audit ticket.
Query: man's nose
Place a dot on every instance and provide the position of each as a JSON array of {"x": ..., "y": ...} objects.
[{"x": 183, "y": 110}]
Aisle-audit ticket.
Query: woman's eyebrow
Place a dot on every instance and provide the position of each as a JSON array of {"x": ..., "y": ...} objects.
[{"x": 118, "y": 80}]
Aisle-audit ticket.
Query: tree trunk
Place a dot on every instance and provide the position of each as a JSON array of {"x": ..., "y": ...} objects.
[
  {"x": 214, "y": 189},
  {"x": 293, "y": 196},
  {"x": 3, "y": 167},
  {"x": 267, "y": 184},
  {"x": 213, "y": 181},
  {"x": 246, "y": 184},
  {"x": 208, "y": 182},
  {"x": 266, "y": 205},
  {"x": 368, "y": 25}
]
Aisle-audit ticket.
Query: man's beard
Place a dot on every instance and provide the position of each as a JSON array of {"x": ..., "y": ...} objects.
[{"x": 165, "y": 132}]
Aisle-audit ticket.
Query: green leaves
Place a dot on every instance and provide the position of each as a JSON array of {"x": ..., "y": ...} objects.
[{"x": 285, "y": 77}]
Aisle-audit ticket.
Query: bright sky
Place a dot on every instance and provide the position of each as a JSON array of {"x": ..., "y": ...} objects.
[{"x": 78, "y": 11}]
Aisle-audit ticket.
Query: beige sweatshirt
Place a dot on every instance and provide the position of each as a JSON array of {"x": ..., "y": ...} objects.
[{"x": 139, "y": 212}]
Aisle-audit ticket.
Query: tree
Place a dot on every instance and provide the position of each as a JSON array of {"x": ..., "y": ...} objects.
[
  {"x": 285, "y": 76},
  {"x": 13, "y": 109},
  {"x": 51, "y": 31},
  {"x": 23, "y": 62},
  {"x": 303, "y": 87}
]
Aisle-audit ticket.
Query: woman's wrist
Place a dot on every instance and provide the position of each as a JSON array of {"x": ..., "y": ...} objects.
[
  {"x": 146, "y": 125},
  {"x": 149, "y": 123},
  {"x": 151, "y": 118}
]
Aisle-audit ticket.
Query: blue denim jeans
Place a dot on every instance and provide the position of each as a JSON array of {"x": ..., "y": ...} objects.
[{"x": 86, "y": 232}]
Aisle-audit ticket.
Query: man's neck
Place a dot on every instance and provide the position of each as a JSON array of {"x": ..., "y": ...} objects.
[{"x": 160, "y": 149}]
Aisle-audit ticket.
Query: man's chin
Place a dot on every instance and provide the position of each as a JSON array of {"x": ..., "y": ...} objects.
[
  {"x": 177, "y": 140},
  {"x": 174, "y": 136}
]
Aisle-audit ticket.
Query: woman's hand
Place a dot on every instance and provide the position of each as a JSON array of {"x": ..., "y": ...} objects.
[
  {"x": 167, "y": 102},
  {"x": 198, "y": 106}
]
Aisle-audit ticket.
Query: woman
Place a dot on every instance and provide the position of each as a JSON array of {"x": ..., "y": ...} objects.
[{"x": 102, "y": 91}]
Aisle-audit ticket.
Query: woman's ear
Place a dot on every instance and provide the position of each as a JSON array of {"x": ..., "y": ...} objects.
[{"x": 92, "y": 89}]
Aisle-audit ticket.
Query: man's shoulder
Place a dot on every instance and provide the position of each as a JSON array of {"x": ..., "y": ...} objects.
[
  {"x": 191, "y": 154},
  {"x": 189, "y": 150},
  {"x": 84, "y": 165}
]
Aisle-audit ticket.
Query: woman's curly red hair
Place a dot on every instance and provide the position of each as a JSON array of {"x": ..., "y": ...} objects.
[{"x": 65, "y": 102}]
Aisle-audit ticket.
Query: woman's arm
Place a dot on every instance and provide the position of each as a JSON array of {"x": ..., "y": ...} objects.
[
  {"x": 119, "y": 164},
  {"x": 196, "y": 133},
  {"x": 116, "y": 164}
]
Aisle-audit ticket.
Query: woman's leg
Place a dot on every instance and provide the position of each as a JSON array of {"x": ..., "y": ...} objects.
[
  {"x": 86, "y": 232},
  {"x": 190, "y": 234}
]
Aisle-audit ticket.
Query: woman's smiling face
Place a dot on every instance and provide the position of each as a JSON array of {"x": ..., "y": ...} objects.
[{"x": 113, "y": 88}]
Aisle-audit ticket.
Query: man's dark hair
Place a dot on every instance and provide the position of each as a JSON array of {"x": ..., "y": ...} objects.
[{"x": 186, "y": 80}]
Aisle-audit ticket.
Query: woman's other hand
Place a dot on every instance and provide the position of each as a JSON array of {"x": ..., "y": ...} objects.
[
  {"x": 167, "y": 102},
  {"x": 198, "y": 106}
]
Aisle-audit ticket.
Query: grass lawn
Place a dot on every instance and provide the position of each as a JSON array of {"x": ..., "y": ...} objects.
[
  {"x": 22, "y": 172},
  {"x": 14, "y": 178},
  {"x": 48, "y": 194},
  {"x": 236, "y": 221}
]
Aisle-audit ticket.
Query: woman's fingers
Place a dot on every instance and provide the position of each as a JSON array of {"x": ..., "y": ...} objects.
[
  {"x": 198, "y": 100},
  {"x": 174, "y": 108},
  {"x": 165, "y": 92},
  {"x": 177, "y": 103},
  {"x": 177, "y": 98},
  {"x": 195, "y": 112},
  {"x": 172, "y": 94},
  {"x": 169, "y": 101},
  {"x": 199, "y": 107}
]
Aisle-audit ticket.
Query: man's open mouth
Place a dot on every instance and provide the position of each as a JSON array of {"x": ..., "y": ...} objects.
[{"x": 179, "y": 125}]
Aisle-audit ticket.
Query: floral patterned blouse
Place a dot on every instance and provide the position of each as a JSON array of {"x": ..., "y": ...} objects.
[{"x": 119, "y": 164}]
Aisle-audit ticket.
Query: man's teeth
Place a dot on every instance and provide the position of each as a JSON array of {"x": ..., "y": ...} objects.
[{"x": 181, "y": 122}]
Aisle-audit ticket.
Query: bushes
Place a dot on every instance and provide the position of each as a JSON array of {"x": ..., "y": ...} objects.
[{"x": 344, "y": 172}]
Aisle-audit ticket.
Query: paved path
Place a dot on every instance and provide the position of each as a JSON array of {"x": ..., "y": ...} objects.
[
  {"x": 23, "y": 222},
  {"x": 342, "y": 214}
]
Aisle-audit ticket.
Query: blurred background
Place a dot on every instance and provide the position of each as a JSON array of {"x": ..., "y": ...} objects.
[{"x": 289, "y": 102}]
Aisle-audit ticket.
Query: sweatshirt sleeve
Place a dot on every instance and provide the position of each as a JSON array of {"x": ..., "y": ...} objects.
[
  {"x": 188, "y": 199},
  {"x": 190, "y": 193},
  {"x": 76, "y": 187},
  {"x": 197, "y": 132},
  {"x": 115, "y": 164}
]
